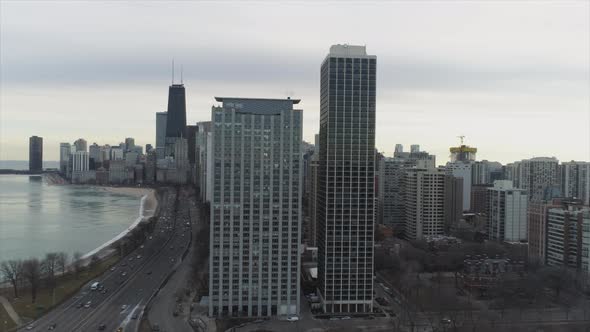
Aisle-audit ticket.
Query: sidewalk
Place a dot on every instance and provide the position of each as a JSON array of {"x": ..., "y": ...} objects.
[{"x": 10, "y": 310}]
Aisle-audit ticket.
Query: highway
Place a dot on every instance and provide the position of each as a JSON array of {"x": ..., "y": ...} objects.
[{"x": 132, "y": 281}]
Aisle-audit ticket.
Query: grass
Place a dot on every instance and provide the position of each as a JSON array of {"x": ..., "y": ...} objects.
[
  {"x": 6, "y": 323},
  {"x": 67, "y": 286}
]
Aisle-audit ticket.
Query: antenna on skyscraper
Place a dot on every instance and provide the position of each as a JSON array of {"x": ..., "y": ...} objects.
[
  {"x": 172, "y": 70},
  {"x": 181, "y": 74}
]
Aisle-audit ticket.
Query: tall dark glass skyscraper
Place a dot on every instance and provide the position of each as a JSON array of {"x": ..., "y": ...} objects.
[
  {"x": 35, "y": 154},
  {"x": 176, "y": 120},
  {"x": 346, "y": 180}
]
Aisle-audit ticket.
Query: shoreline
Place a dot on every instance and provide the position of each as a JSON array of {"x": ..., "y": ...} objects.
[{"x": 147, "y": 207}]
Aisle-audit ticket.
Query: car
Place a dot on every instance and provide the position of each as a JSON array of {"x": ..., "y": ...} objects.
[
  {"x": 104, "y": 291},
  {"x": 334, "y": 318},
  {"x": 30, "y": 327},
  {"x": 138, "y": 256},
  {"x": 52, "y": 326},
  {"x": 135, "y": 315},
  {"x": 149, "y": 238},
  {"x": 345, "y": 318},
  {"x": 156, "y": 327},
  {"x": 141, "y": 247},
  {"x": 79, "y": 305},
  {"x": 113, "y": 268},
  {"x": 123, "y": 307},
  {"x": 292, "y": 318},
  {"x": 130, "y": 259},
  {"x": 446, "y": 320},
  {"x": 148, "y": 273},
  {"x": 120, "y": 329},
  {"x": 87, "y": 305},
  {"x": 124, "y": 274},
  {"x": 175, "y": 313},
  {"x": 123, "y": 264},
  {"x": 102, "y": 327}
]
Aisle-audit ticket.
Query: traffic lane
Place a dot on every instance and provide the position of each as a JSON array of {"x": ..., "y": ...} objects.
[
  {"x": 143, "y": 286},
  {"x": 70, "y": 311}
]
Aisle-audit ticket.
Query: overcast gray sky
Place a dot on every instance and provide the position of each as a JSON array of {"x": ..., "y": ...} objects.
[{"x": 514, "y": 77}]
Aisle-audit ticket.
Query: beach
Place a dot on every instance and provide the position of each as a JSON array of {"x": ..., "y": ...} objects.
[{"x": 148, "y": 206}]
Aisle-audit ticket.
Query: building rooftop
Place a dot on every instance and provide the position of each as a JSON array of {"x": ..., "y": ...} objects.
[{"x": 221, "y": 99}]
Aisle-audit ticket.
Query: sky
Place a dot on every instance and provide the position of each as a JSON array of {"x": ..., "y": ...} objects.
[{"x": 511, "y": 76}]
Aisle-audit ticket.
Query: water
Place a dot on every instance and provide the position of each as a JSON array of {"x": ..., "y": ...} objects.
[
  {"x": 36, "y": 218},
  {"x": 23, "y": 165}
]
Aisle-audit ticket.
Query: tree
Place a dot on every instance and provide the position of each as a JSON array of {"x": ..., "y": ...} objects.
[
  {"x": 94, "y": 260},
  {"x": 62, "y": 261},
  {"x": 77, "y": 263},
  {"x": 13, "y": 272},
  {"x": 48, "y": 267},
  {"x": 32, "y": 273}
]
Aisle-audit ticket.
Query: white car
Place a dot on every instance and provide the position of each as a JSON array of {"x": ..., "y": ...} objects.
[{"x": 292, "y": 318}]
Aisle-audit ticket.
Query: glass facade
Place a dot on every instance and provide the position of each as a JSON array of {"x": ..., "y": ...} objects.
[{"x": 346, "y": 180}]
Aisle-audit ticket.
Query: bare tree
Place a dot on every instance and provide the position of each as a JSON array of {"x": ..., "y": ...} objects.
[
  {"x": 94, "y": 260},
  {"x": 13, "y": 272},
  {"x": 62, "y": 261},
  {"x": 32, "y": 273},
  {"x": 77, "y": 263},
  {"x": 48, "y": 268}
]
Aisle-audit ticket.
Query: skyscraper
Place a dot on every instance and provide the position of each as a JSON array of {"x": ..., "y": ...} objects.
[
  {"x": 176, "y": 119},
  {"x": 575, "y": 180},
  {"x": 129, "y": 144},
  {"x": 35, "y": 154},
  {"x": 346, "y": 178},
  {"x": 161, "y": 118},
  {"x": 537, "y": 176},
  {"x": 65, "y": 149},
  {"x": 255, "y": 208}
]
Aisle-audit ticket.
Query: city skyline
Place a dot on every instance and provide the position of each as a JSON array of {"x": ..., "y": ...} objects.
[{"x": 434, "y": 74}]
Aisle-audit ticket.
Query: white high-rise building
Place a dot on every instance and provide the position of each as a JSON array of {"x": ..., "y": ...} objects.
[
  {"x": 568, "y": 236},
  {"x": 116, "y": 153},
  {"x": 424, "y": 200},
  {"x": 81, "y": 145},
  {"x": 460, "y": 169},
  {"x": 507, "y": 212},
  {"x": 256, "y": 210}
]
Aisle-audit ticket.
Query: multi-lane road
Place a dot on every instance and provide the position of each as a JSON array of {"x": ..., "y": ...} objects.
[{"x": 130, "y": 284}]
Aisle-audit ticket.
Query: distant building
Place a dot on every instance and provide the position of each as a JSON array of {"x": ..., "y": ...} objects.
[
  {"x": 65, "y": 149},
  {"x": 391, "y": 193},
  {"x": 161, "y": 134},
  {"x": 507, "y": 212},
  {"x": 485, "y": 172},
  {"x": 131, "y": 159},
  {"x": 94, "y": 152},
  {"x": 479, "y": 198},
  {"x": 176, "y": 118},
  {"x": 204, "y": 163},
  {"x": 462, "y": 153},
  {"x": 181, "y": 160},
  {"x": 117, "y": 171},
  {"x": 81, "y": 172},
  {"x": 537, "y": 226},
  {"x": 414, "y": 148},
  {"x": 536, "y": 175},
  {"x": 81, "y": 145},
  {"x": 129, "y": 144},
  {"x": 256, "y": 208},
  {"x": 424, "y": 203},
  {"x": 116, "y": 153},
  {"x": 191, "y": 139},
  {"x": 568, "y": 236},
  {"x": 461, "y": 169},
  {"x": 148, "y": 148},
  {"x": 575, "y": 180},
  {"x": 453, "y": 189},
  {"x": 150, "y": 167},
  {"x": 35, "y": 154}
]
